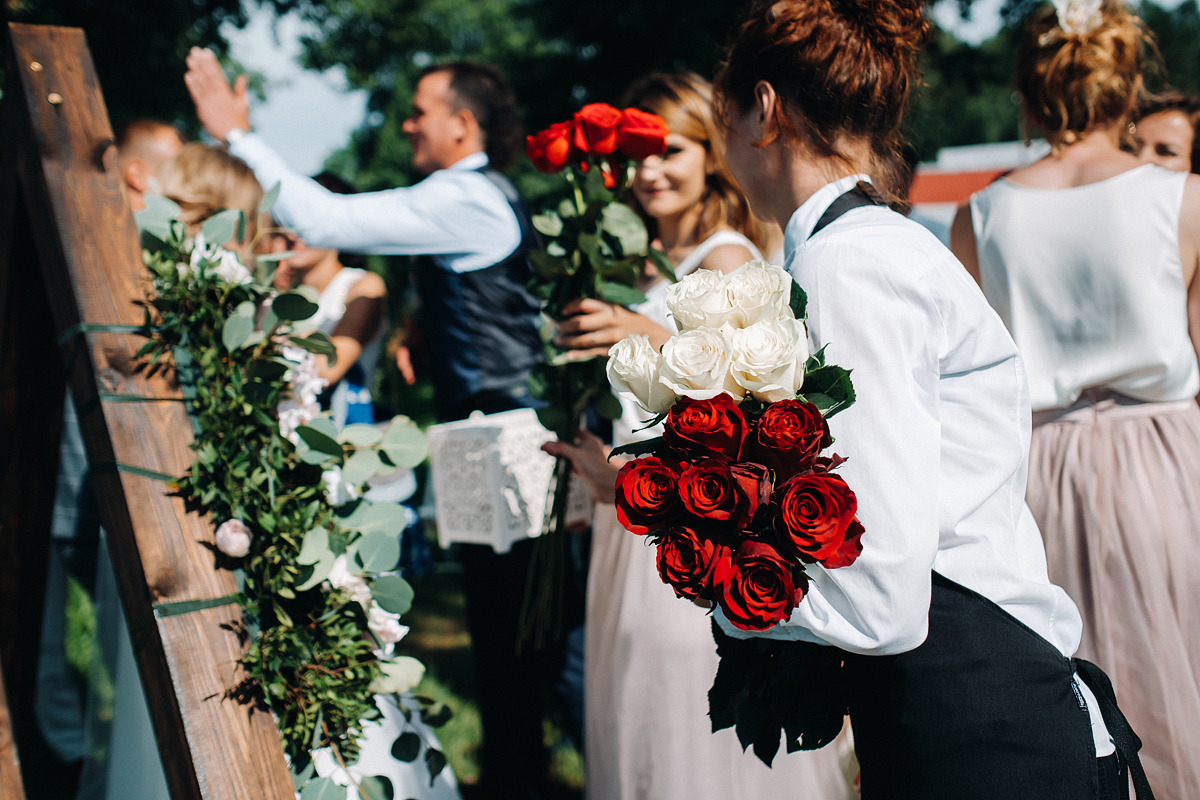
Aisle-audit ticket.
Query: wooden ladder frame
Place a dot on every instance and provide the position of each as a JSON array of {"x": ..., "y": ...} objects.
[{"x": 70, "y": 257}]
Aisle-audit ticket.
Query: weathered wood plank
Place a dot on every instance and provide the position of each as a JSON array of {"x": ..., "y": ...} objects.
[{"x": 91, "y": 259}]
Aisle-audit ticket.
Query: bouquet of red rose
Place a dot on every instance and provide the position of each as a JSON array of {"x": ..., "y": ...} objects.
[
  {"x": 740, "y": 494},
  {"x": 595, "y": 246}
]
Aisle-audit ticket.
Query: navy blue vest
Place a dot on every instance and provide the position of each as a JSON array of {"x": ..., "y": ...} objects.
[{"x": 480, "y": 327}]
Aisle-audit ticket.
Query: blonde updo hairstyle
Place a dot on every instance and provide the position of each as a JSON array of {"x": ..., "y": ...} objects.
[
  {"x": 1072, "y": 83},
  {"x": 685, "y": 101},
  {"x": 203, "y": 180},
  {"x": 839, "y": 68}
]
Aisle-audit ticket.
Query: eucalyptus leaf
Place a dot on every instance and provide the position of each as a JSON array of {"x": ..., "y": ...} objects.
[
  {"x": 407, "y": 747},
  {"x": 293, "y": 306},
  {"x": 271, "y": 258},
  {"x": 222, "y": 226},
  {"x": 361, "y": 435},
  {"x": 238, "y": 327},
  {"x": 322, "y": 789},
  {"x": 314, "y": 547},
  {"x": 363, "y": 465},
  {"x": 388, "y": 518},
  {"x": 393, "y": 593},
  {"x": 268, "y": 201},
  {"x": 313, "y": 574},
  {"x": 623, "y": 224},
  {"x": 317, "y": 342},
  {"x": 377, "y": 787},
  {"x": 378, "y": 551},
  {"x": 269, "y": 369},
  {"x": 404, "y": 443}
]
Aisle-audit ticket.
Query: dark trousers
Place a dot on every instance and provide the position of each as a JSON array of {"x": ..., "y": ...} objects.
[{"x": 512, "y": 677}]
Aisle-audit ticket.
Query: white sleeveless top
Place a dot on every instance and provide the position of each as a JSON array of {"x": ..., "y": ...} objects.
[
  {"x": 1089, "y": 283},
  {"x": 331, "y": 307},
  {"x": 625, "y": 430}
]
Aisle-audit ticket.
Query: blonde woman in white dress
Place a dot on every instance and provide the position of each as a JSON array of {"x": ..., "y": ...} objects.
[
  {"x": 650, "y": 657},
  {"x": 1090, "y": 258}
]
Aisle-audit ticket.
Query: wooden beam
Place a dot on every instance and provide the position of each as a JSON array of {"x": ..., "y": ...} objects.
[{"x": 91, "y": 269}]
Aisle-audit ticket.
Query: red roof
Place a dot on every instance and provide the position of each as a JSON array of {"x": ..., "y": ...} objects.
[{"x": 931, "y": 186}]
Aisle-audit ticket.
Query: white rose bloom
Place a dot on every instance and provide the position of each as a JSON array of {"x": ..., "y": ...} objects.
[
  {"x": 233, "y": 538},
  {"x": 341, "y": 577},
  {"x": 759, "y": 291},
  {"x": 230, "y": 269},
  {"x": 633, "y": 367},
  {"x": 337, "y": 489},
  {"x": 400, "y": 675},
  {"x": 767, "y": 358},
  {"x": 696, "y": 365},
  {"x": 385, "y": 625},
  {"x": 699, "y": 300}
]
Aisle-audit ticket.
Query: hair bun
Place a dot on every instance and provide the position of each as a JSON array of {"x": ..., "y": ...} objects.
[{"x": 899, "y": 24}]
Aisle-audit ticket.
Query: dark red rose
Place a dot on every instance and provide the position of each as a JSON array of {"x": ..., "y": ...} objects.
[
  {"x": 706, "y": 427},
  {"x": 596, "y": 129},
  {"x": 641, "y": 134},
  {"x": 788, "y": 437},
  {"x": 850, "y": 550},
  {"x": 815, "y": 512},
  {"x": 717, "y": 490},
  {"x": 552, "y": 149},
  {"x": 685, "y": 560},
  {"x": 646, "y": 495},
  {"x": 755, "y": 586}
]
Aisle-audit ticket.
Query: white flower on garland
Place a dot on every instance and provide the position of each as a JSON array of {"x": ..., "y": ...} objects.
[
  {"x": 342, "y": 577},
  {"x": 233, "y": 538},
  {"x": 229, "y": 267},
  {"x": 383, "y": 624},
  {"x": 305, "y": 385},
  {"x": 338, "y": 490}
]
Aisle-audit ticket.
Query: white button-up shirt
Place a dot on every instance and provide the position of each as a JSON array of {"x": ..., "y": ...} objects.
[
  {"x": 456, "y": 215},
  {"x": 937, "y": 440}
]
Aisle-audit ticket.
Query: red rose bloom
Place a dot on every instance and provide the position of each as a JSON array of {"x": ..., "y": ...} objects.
[
  {"x": 596, "y": 129},
  {"x": 707, "y": 427},
  {"x": 641, "y": 134},
  {"x": 850, "y": 550},
  {"x": 755, "y": 587},
  {"x": 788, "y": 437},
  {"x": 551, "y": 150},
  {"x": 717, "y": 490},
  {"x": 646, "y": 495},
  {"x": 815, "y": 512},
  {"x": 685, "y": 559}
]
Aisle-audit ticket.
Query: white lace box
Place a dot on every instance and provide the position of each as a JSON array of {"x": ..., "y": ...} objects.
[{"x": 491, "y": 480}]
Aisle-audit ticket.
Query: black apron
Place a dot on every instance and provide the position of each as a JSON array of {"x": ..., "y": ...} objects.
[{"x": 985, "y": 707}]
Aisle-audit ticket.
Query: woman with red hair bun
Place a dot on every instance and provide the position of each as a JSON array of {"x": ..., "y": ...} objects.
[{"x": 957, "y": 646}]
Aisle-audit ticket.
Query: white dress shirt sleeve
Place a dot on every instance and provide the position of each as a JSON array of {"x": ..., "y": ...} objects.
[
  {"x": 452, "y": 212},
  {"x": 879, "y": 321}
]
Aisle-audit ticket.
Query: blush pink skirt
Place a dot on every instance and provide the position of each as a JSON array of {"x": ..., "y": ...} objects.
[{"x": 1115, "y": 486}]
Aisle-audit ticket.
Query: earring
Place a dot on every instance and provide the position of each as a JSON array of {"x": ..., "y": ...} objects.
[{"x": 1132, "y": 128}]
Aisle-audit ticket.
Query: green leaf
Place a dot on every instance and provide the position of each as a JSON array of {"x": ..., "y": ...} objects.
[
  {"x": 314, "y": 547},
  {"x": 363, "y": 465},
  {"x": 377, "y": 787},
  {"x": 607, "y": 405},
  {"x": 389, "y": 518},
  {"x": 404, "y": 443},
  {"x": 829, "y": 388},
  {"x": 548, "y": 224},
  {"x": 434, "y": 759},
  {"x": 548, "y": 266},
  {"x": 294, "y": 305},
  {"x": 798, "y": 300},
  {"x": 312, "y": 574},
  {"x": 662, "y": 262},
  {"x": 644, "y": 447},
  {"x": 623, "y": 224},
  {"x": 155, "y": 218},
  {"x": 393, "y": 593},
  {"x": 379, "y": 551},
  {"x": 269, "y": 369},
  {"x": 271, "y": 258},
  {"x": 268, "y": 201},
  {"x": 619, "y": 293},
  {"x": 317, "y": 342},
  {"x": 361, "y": 435},
  {"x": 223, "y": 226},
  {"x": 589, "y": 245},
  {"x": 239, "y": 326},
  {"x": 407, "y": 747},
  {"x": 319, "y": 440},
  {"x": 322, "y": 789}
]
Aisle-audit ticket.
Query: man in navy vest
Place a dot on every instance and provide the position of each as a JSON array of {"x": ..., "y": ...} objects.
[{"x": 471, "y": 233}]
